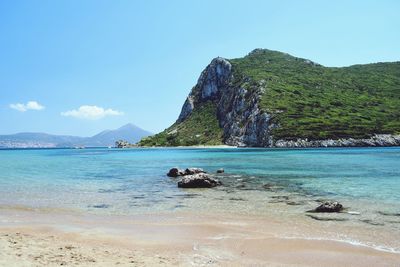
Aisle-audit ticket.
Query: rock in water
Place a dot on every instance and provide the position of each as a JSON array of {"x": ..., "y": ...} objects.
[
  {"x": 191, "y": 171},
  {"x": 220, "y": 170},
  {"x": 175, "y": 172},
  {"x": 123, "y": 144},
  {"x": 329, "y": 206},
  {"x": 198, "y": 180}
]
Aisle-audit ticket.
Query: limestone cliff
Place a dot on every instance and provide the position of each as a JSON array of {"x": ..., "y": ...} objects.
[
  {"x": 237, "y": 102},
  {"x": 237, "y": 108}
]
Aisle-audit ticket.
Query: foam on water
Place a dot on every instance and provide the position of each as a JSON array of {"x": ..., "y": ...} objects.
[{"x": 348, "y": 241}]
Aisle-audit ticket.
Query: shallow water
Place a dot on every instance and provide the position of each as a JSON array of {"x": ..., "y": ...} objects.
[{"x": 257, "y": 181}]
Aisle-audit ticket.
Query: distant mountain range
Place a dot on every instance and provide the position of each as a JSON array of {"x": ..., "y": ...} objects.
[{"x": 128, "y": 132}]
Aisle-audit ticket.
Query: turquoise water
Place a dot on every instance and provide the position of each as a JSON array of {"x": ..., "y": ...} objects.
[{"x": 134, "y": 181}]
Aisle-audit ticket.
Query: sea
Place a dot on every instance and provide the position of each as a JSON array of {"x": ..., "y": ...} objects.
[{"x": 256, "y": 181}]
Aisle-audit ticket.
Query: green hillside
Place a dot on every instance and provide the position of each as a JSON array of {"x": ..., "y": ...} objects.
[
  {"x": 311, "y": 101},
  {"x": 201, "y": 128},
  {"x": 305, "y": 100}
]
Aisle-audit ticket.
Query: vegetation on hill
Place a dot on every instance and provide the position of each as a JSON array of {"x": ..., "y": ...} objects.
[
  {"x": 305, "y": 100},
  {"x": 311, "y": 101},
  {"x": 200, "y": 128}
]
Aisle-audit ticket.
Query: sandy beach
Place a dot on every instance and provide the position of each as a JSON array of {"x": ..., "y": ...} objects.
[
  {"x": 58, "y": 238},
  {"x": 119, "y": 208}
]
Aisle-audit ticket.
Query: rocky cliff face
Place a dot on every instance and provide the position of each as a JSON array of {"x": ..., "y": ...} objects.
[
  {"x": 238, "y": 111},
  {"x": 211, "y": 83},
  {"x": 272, "y": 99}
]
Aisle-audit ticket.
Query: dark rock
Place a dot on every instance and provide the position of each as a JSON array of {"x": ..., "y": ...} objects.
[
  {"x": 329, "y": 206},
  {"x": 191, "y": 171},
  {"x": 220, "y": 170},
  {"x": 198, "y": 180},
  {"x": 175, "y": 172}
]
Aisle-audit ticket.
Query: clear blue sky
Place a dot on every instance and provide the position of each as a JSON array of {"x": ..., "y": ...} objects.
[{"x": 138, "y": 60}]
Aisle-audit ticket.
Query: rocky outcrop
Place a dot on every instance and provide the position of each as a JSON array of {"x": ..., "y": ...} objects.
[
  {"x": 241, "y": 118},
  {"x": 220, "y": 170},
  {"x": 212, "y": 81},
  {"x": 193, "y": 178},
  {"x": 191, "y": 171},
  {"x": 124, "y": 144},
  {"x": 198, "y": 180},
  {"x": 329, "y": 206},
  {"x": 376, "y": 140},
  {"x": 175, "y": 172},
  {"x": 238, "y": 109},
  {"x": 186, "y": 109}
]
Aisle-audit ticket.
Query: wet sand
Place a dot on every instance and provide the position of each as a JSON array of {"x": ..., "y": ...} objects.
[{"x": 57, "y": 238}]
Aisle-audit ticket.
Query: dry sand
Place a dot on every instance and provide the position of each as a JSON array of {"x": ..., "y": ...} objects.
[{"x": 56, "y": 238}]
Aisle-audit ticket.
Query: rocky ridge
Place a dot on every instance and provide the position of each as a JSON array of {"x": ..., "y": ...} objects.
[
  {"x": 238, "y": 110},
  {"x": 378, "y": 140},
  {"x": 124, "y": 144},
  {"x": 236, "y": 101}
]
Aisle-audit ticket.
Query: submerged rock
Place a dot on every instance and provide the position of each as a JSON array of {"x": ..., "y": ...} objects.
[
  {"x": 372, "y": 222},
  {"x": 389, "y": 213},
  {"x": 295, "y": 203},
  {"x": 191, "y": 171},
  {"x": 175, "y": 172},
  {"x": 329, "y": 206},
  {"x": 198, "y": 180},
  {"x": 100, "y": 206},
  {"x": 220, "y": 170},
  {"x": 326, "y": 218}
]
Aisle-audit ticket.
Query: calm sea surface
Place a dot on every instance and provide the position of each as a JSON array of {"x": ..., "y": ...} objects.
[{"x": 256, "y": 181}]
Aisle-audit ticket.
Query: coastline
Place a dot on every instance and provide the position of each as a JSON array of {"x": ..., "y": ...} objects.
[
  {"x": 378, "y": 140},
  {"x": 37, "y": 237}
]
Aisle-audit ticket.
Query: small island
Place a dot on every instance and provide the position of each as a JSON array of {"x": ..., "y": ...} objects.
[{"x": 124, "y": 144}]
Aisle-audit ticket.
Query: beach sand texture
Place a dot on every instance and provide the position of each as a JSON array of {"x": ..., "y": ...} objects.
[{"x": 38, "y": 238}]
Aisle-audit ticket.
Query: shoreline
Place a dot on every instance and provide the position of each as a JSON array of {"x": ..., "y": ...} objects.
[
  {"x": 165, "y": 239},
  {"x": 377, "y": 140},
  {"x": 120, "y": 208},
  {"x": 280, "y": 144}
]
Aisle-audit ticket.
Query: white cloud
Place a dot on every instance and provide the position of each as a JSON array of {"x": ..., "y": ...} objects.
[
  {"x": 91, "y": 112},
  {"x": 31, "y": 105}
]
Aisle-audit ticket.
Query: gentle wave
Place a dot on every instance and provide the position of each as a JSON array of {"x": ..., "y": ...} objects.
[{"x": 347, "y": 241}]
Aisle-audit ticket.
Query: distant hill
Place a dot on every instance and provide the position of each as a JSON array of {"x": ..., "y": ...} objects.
[
  {"x": 269, "y": 98},
  {"x": 128, "y": 132}
]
